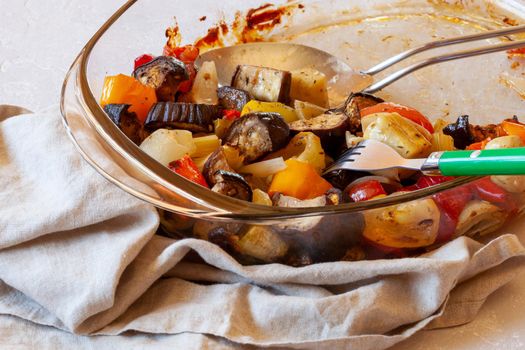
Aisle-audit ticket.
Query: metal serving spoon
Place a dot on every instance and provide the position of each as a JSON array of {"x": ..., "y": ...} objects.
[{"x": 341, "y": 77}]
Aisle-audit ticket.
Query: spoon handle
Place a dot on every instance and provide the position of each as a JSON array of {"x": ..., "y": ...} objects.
[
  {"x": 389, "y": 62},
  {"x": 505, "y": 161},
  {"x": 439, "y": 59}
]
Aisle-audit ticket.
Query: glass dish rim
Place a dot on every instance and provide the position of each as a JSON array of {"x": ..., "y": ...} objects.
[{"x": 218, "y": 206}]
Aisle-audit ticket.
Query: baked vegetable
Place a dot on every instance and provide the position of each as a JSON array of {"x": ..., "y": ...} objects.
[
  {"x": 326, "y": 126},
  {"x": 409, "y": 139},
  {"x": 204, "y": 89},
  {"x": 166, "y": 146},
  {"x": 309, "y": 85},
  {"x": 257, "y": 134},
  {"x": 354, "y": 105},
  {"x": 123, "y": 89},
  {"x": 306, "y": 147},
  {"x": 181, "y": 115},
  {"x": 127, "y": 121},
  {"x": 215, "y": 162},
  {"x": 187, "y": 168},
  {"x": 262, "y": 243},
  {"x": 299, "y": 180},
  {"x": 264, "y": 84},
  {"x": 460, "y": 132},
  {"x": 288, "y": 113},
  {"x": 408, "y": 225},
  {"x": 479, "y": 217},
  {"x": 307, "y": 110},
  {"x": 231, "y": 185},
  {"x": 164, "y": 74},
  {"x": 232, "y": 98}
]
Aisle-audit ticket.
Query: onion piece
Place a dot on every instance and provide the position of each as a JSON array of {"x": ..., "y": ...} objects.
[
  {"x": 382, "y": 179},
  {"x": 264, "y": 168},
  {"x": 369, "y": 119}
]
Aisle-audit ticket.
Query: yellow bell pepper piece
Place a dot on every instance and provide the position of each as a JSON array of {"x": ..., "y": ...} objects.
[
  {"x": 286, "y": 112},
  {"x": 299, "y": 180}
]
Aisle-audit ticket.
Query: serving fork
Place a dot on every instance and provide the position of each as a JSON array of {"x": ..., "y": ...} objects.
[{"x": 372, "y": 155}]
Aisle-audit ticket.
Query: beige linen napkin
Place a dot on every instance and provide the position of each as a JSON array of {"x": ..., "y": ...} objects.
[{"x": 79, "y": 255}]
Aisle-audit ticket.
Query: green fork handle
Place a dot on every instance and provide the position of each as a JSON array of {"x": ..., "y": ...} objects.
[{"x": 504, "y": 161}]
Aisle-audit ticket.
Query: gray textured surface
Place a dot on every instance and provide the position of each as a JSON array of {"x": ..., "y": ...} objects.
[{"x": 38, "y": 42}]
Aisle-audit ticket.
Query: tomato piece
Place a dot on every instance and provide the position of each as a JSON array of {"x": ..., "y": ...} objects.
[
  {"x": 231, "y": 114},
  {"x": 125, "y": 89},
  {"x": 514, "y": 128},
  {"x": 490, "y": 192},
  {"x": 366, "y": 190},
  {"x": 186, "y": 86},
  {"x": 187, "y": 168},
  {"x": 186, "y": 54},
  {"x": 407, "y": 112},
  {"x": 142, "y": 60},
  {"x": 189, "y": 54}
]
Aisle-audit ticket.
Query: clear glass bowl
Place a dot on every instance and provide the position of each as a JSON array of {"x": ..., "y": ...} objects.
[{"x": 361, "y": 33}]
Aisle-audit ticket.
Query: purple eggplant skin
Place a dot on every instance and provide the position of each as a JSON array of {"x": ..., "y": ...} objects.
[
  {"x": 232, "y": 185},
  {"x": 181, "y": 115},
  {"x": 354, "y": 104},
  {"x": 232, "y": 98},
  {"x": 215, "y": 162},
  {"x": 164, "y": 74},
  {"x": 329, "y": 127},
  {"x": 264, "y": 84},
  {"x": 256, "y": 135},
  {"x": 127, "y": 121}
]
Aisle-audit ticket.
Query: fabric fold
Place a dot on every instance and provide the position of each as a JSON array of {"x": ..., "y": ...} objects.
[{"x": 80, "y": 255}]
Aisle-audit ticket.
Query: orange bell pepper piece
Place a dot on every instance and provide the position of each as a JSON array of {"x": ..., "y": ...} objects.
[
  {"x": 478, "y": 145},
  {"x": 125, "y": 89},
  {"x": 299, "y": 180},
  {"x": 514, "y": 128}
]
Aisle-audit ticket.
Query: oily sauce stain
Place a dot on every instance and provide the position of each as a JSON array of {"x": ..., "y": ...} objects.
[{"x": 248, "y": 27}]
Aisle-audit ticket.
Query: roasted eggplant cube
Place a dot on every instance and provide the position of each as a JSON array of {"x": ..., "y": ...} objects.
[
  {"x": 264, "y": 84},
  {"x": 232, "y": 98},
  {"x": 127, "y": 121},
  {"x": 215, "y": 162},
  {"x": 164, "y": 74},
  {"x": 460, "y": 132},
  {"x": 330, "y": 128},
  {"x": 257, "y": 134},
  {"x": 354, "y": 104},
  {"x": 180, "y": 115},
  {"x": 232, "y": 185}
]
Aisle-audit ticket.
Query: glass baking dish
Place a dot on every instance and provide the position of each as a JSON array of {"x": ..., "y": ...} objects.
[{"x": 362, "y": 33}]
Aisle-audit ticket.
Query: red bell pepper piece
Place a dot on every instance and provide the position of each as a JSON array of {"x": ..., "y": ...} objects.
[
  {"x": 231, "y": 114},
  {"x": 142, "y": 60},
  {"x": 186, "y": 167},
  {"x": 366, "y": 190},
  {"x": 453, "y": 201},
  {"x": 489, "y": 191}
]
